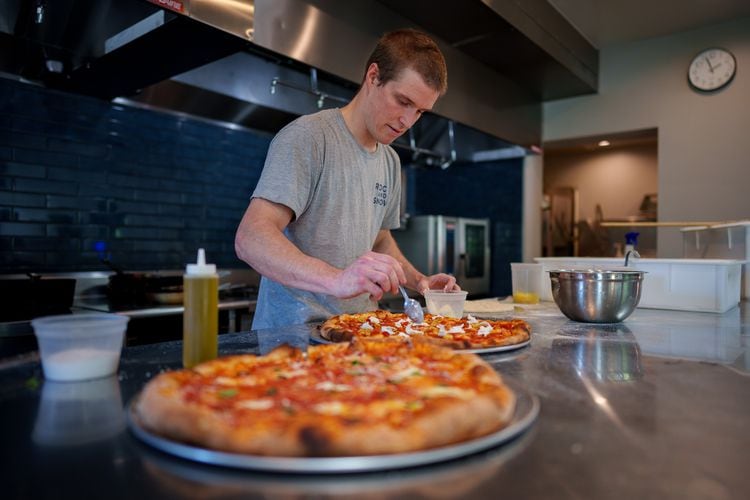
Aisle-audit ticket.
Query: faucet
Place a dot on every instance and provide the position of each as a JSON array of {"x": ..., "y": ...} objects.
[{"x": 635, "y": 255}]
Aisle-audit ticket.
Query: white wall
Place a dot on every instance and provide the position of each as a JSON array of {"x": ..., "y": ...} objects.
[
  {"x": 704, "y": 140},
  {"x": 533, "y": 170},
  {"x": 616, "y": 179}
]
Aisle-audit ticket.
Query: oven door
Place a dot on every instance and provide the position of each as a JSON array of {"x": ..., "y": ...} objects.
[{"x": 473, "y": 251}]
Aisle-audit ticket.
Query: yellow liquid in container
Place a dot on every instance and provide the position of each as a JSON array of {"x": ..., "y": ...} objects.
[
  {"x": 200, "y": 321},
  {"x": 525, "y": 298}
]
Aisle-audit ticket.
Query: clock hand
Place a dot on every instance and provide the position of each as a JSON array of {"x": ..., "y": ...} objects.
[{"x": 709, "y": 64}]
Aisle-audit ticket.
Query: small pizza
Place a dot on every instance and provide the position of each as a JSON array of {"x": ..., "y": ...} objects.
[
  {"x": 366, "y": 397},
  {"x": 459, "y": 333}
]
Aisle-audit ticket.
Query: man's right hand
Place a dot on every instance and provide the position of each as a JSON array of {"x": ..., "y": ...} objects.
[{"x": 374, "y": 273}]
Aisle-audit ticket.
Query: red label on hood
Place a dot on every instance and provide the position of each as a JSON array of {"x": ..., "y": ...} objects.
[{"x": 175, "y": 5}]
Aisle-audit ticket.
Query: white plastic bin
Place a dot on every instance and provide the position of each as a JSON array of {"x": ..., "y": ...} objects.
[
  {"x": 725, "y": 241},
  {"x": 705, "y": 285}
]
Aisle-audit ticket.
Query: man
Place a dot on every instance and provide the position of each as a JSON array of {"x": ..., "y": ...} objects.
[{"x": 318, "y": 225}]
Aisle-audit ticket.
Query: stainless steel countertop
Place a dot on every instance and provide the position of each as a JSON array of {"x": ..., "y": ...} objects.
[{"x": 655, "y": 407}]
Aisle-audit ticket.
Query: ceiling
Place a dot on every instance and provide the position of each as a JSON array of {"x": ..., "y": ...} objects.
[
  {"x": 617, "y": 21},
  {"x": 590, "y": 144}
]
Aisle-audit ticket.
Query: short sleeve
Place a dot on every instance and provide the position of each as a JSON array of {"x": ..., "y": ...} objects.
[{"x": 291, "y": 169}]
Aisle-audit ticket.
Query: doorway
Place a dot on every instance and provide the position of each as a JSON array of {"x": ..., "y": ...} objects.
[{"x": 596, "y": 190}]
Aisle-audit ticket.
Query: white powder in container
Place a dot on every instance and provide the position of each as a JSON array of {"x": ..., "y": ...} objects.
[{"x": 80, "y": 364}]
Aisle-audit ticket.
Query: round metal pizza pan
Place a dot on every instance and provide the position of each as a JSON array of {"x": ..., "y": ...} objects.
[
  {"x": 526, "y": 412},
  {"x": 318, "y": 339},
  {"x": 501, "y": 348}
]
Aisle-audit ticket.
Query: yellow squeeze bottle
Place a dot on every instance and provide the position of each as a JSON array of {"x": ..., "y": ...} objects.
[{"x": 200, "y": 321}]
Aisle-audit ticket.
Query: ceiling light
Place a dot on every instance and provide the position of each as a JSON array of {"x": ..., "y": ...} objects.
[{"x": 604, "y": 143}]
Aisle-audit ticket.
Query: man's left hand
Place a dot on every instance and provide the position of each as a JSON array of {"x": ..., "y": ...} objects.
[{"x": 440, "y": 281}]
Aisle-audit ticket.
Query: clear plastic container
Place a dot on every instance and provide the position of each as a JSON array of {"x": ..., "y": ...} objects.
[
  {"x": 450, "y": 304},
  {"x": 723, "y": 241},
  {"x": 80, "y": 346},
  {"x": 527, "y": 282}
]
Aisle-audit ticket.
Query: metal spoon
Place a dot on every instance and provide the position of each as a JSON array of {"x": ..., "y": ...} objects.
[{"x": 412, "y": 307}]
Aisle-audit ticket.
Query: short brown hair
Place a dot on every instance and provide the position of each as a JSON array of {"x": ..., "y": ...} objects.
[{"x": 408, "y": 48}]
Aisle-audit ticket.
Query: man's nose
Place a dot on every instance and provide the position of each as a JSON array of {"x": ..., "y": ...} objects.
[{"x": 409, "y": 118}]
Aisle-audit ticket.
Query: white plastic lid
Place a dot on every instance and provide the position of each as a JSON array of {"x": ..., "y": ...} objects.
[{"x": 201, "y": 267}]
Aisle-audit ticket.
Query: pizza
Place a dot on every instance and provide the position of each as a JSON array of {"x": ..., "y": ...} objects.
[
  {"x": 459, "y": 333},
  {"x": 365, "y": 397}
]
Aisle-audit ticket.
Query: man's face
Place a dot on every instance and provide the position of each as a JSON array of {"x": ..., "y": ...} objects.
[{"x": 395, "y": 106}]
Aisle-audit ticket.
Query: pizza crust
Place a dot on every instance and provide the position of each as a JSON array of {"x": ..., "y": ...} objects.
[{"x": 167, "y": 408}]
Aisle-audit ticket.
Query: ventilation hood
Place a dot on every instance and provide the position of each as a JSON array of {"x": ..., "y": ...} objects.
[{"x": 260, "y": 63}]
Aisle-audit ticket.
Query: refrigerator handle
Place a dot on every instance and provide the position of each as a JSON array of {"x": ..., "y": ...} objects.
[{"x": 462, "y": 265}]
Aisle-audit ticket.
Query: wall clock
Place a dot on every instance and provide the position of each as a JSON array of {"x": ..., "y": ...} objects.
[{"x": 712, "y": 69}]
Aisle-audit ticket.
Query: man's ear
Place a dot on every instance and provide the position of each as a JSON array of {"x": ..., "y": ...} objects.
[{"x": 372, "y": 76}]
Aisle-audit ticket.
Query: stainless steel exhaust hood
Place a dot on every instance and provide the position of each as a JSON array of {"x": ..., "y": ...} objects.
[{"x": 244, "y": 58}]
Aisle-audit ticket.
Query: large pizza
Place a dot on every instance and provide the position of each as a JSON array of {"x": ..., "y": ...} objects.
[
  {"x": 467, "y": 332},
  {"x": 367, "y": 397}
]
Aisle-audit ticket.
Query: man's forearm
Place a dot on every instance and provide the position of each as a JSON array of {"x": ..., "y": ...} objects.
[
  {"x": 278, "y": 259},
  {"x": 269, "y": 252}
]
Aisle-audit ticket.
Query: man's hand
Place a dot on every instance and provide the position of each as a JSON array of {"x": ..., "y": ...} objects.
[
  {"x": 374, "y": 273},
  {"x": 441, "y": 281}
]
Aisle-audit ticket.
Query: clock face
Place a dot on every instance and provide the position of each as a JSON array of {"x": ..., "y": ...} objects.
[{"x": 712, "y": 69}]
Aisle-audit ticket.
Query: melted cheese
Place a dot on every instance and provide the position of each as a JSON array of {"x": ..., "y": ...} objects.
[
  {"x": 374, "y": 320},
  {"x": 230, "y": 381},
  {"x": 413, "y": 331},
  {"x": 409, "y": 371},
  {"x": 484, "y": 329},
  {"x": 366, "y": 326},
  {"x": 330, "y": 386},
  {"x": 379, "y": 409},
  {"x": 330, "y": 408},
  {"x": 292, "y": 373},
  {"x": 256, "y": 404},
  {"x": 457, "y": 329},
  {"x": 443, "y": 391},
  {"x": 247, "y": 381},
  {"x": 441, "y": 331}
]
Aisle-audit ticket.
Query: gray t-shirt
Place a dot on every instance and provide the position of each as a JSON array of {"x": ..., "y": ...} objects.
[{"x": 341, "y": 196}]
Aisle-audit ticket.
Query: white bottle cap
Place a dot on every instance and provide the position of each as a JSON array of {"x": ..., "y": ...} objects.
[{"x": 201, "y": 267}]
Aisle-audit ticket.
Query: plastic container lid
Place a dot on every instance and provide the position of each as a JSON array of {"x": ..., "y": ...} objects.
[{"x": 200, "y": 267}]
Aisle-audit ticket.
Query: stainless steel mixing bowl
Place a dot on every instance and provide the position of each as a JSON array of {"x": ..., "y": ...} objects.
[{"x": 596, "y": 295}]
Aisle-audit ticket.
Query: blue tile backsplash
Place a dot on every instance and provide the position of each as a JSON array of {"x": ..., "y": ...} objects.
[{"x": 152, "y": 187}]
